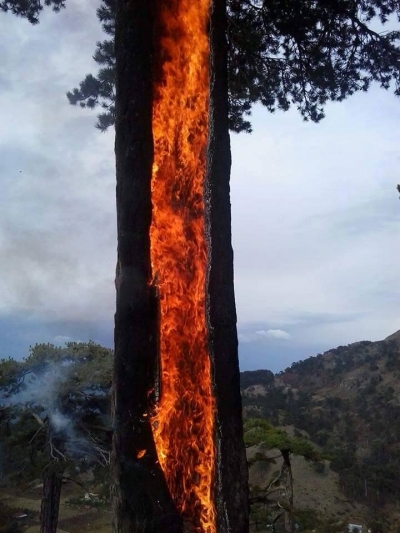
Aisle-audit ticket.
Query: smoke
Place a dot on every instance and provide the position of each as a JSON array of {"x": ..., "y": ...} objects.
[
  {"x": 41, "y": 387},
  {"x": 45, "y": 393},
  {"x": 60, "y": 422}
]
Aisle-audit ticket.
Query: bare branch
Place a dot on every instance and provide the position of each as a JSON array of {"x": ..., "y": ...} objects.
[{"x": 35, "y": 435}]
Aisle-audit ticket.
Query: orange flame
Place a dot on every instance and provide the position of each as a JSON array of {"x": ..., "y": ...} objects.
[{"x": 183, "y": 425}]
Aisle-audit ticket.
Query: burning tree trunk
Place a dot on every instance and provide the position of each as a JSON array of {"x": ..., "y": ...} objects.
[
  {"x": 142, "y": 502},
  {"x": 52, "y": 480},
  {"x": 178, "y": 455}
]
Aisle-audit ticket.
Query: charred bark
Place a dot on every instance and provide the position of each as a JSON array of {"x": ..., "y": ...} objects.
[
  {"x": 231, "y": 469},
  {"x": 50, "y": 507},
  {"x": 142, "y": 503}
]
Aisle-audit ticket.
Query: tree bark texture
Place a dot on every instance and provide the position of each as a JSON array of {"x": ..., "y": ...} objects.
[
  {"x": 232, "y": 498},
  {"x": 287, "y": 477},
  {"x": 50, "y": 501},
  {"x": 142, "y": 503}
]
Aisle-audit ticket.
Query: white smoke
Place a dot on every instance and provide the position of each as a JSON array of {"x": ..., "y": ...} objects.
[
  {"x": 44, "y": 392},
  {"x": 42, "y": 388},
  {"x": 40, "y": 392},
  {"x": 60, "y": 422}
]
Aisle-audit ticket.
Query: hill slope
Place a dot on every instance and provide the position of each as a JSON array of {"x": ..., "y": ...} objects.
[{"x": 347, "y": 400}]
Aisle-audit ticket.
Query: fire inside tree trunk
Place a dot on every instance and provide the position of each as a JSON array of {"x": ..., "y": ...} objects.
[
  {"x": 141, "y": 500},
  {"x": 178, "y": 454}
]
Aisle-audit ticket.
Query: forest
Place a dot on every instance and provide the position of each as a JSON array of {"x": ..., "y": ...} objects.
[
  {"x": 56, "y": 419},
  {"x": 153, "y": 433}
]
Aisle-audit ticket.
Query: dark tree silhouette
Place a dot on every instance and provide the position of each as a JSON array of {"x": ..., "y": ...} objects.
[
  {"x": 280, "y": 53},
  {"x": 232, "y": 478},
  {"x": 30, "y": 9},
  {"x": 54, "y": 417}
]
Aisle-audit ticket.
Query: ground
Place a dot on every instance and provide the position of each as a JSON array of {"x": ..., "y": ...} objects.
[
  {"x": 73, "y": 518},
  {"x": 319, "y": 491}
]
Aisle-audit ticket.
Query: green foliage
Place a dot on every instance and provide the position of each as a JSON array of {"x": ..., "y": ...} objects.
[
  {"x": 9, "y": 370},
  {"x": 30, "y": 9},
  {"x": 93, "y": 362},
  {"x": 358, "y": 430},
  {"x": 99, "y": 91},
  {"x": 56, "y": 408},
  {"x": 259, "y": 432},
  {"x": 281, "y": 53},
  {"x": 256, "y": 377},
  {"x": 267, "y": 406}
]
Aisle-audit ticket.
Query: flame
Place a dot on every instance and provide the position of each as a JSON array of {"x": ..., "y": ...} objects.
[{"x": 183, "y": 425}]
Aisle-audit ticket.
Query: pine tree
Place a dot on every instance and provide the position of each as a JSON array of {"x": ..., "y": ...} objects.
[
  {"x": 54, "y": 416},
  {"x": 281, "y": 53},
  {"x": 258, "y": 432},
  {"x": 30, "y": 9}
]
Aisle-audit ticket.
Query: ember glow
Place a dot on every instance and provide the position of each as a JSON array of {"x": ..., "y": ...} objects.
[{"x": 183, "y": 425}]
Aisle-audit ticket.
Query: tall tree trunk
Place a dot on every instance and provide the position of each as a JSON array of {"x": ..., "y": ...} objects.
[
  {"x": 287, "y": 478},
  {"x": 142, "y": 503},
  {"x": 232, "y": 476},
  {"x": 50, "y": 501}
]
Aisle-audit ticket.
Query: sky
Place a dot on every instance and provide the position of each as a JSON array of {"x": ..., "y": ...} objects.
[{"x": 315, "y": 211}]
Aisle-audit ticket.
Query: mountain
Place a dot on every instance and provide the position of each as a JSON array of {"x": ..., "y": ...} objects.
[{"x": 347, "y": 402}]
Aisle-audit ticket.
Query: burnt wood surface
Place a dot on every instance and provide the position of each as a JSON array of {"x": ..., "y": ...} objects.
[
  {"x": 231, "y": 469},
  {"x": 142, "y": 503}
]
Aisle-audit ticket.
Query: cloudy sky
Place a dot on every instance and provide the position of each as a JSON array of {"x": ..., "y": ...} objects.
[{"x": 316, "y": 216}]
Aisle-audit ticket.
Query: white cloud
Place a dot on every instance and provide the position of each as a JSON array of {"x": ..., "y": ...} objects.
[
  {"x": 62, "y": 339},
  {"x": 316, "y": 217},
  {"x": 57, "y": 210},
  {"x": 263, "y": 335},
  {"x": 274, "y": 334}
]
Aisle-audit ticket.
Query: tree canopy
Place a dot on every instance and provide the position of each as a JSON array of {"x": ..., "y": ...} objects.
[
  {"x": 54, "y": 406},
  {"x": 259, "y": 431},
  {"x": 30, "y": 9},
  {"x": 280, "y": 53}
]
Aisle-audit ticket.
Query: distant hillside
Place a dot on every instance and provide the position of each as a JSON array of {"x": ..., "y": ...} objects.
[{"x": 347, "y": 401}]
